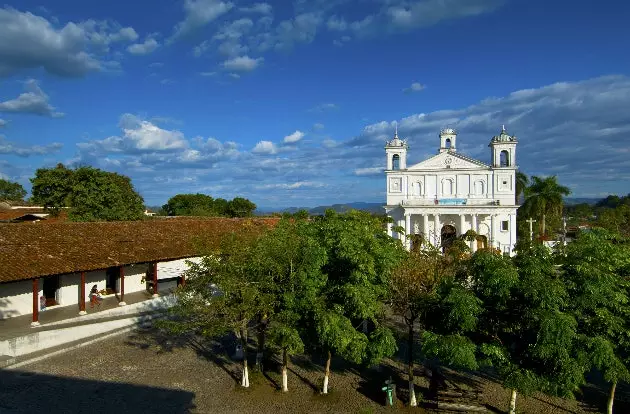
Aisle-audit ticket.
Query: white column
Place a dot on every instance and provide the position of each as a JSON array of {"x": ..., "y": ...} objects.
[
  {"x": 462, "y": 224},
  {"x": 407, "y": 230},
  {"x": 492, "y": 228},
  {"x": 512, "y": 233},
  {"x": 438, "y": 230},
  {"x": 425, "y": 226},
  {"x": 475, "y": 229}
]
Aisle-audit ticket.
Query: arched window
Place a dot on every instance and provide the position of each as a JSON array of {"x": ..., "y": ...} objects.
[
  {"x": 447, "y": 186},
  {"x": 504, "y": 159},
  {"x": 396, "y": 162},
  {"x": 479, "y": 188},
  {"x": 447, "y": 143}
]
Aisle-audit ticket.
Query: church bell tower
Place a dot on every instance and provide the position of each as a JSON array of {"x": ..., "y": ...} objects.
[
  {"x": 503, "y": 147},
  {"x": 396, "y": 151}
]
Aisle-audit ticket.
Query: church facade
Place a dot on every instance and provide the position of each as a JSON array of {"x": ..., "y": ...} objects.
[{"x": 449, "y": 194}]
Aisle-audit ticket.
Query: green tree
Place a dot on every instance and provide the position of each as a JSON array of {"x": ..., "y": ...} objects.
[
  {"x": 543, "y": 199},
  {"x": 616, "y": 220},
  {"x": 241, "y": 207},
  {"x": 361, "y": 258},
  {"x": 52, "y": 188},
  {"x": 288, "y": 261},
  {"x": 412, "y": 287},
  {"x": 596, "y": 270},
  {"x": 222, "y": 294},
  {"x": 510, "y": 317},
  {"x": 522, "y": 181},
  {"x": 11, "y": 191},
  {"x": 190, "y": 205},
  {"x": 100, "y": 195}
]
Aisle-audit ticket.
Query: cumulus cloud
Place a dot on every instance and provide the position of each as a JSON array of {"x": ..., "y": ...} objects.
[
  {"x": 291, "y": 186},
  {"x": 294, "y": 137},
  {"x": 144, "y": 48},
  {"x": 33, "y": 101},
  {"x": 265, "y": 147},
  {"x": 9, "y": 148},
  {"x": 260, "y": 8},
  {"x": 378, "y": 171},
  {"x": 3, "y": 123},
  {"x": 29, "y": 41},
  {"x": 242, "y": 64},
  {"x": 199, "y": 13},
  {"x": 414, "y": 87}
]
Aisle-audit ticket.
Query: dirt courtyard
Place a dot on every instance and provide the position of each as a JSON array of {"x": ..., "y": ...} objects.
[{"x": 143, "y": 372}]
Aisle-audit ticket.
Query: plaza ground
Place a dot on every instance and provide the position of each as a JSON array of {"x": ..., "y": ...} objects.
[{"x": 145, "y": 372}]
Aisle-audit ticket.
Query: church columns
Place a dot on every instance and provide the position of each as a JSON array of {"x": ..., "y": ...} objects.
[
  {"x": 491, "y": 242},
  {"x": 407, "y": 230},
  {"x": 476, "y": 230},
  {"x": 462, "y": 224},
  {"x": 437, "y": 229},
  {"x": 425, "y": 226}
]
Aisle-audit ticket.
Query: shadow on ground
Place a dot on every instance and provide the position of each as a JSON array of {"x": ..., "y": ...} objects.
[{"x": 26, "y": 392}]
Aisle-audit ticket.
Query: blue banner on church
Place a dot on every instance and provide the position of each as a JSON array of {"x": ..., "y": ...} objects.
[{"x": 452, "y": 201}]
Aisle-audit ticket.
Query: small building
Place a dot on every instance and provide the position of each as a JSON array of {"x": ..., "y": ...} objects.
[
  {"x": 449, "y": 194},
  {"x": 56, "y": 264}
]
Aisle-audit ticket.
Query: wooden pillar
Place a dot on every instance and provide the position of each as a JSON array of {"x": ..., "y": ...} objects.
[
  {"x": 82, "y": 295},
  {"x": 183, "y": 279},
  {"x": 155, "y": 280},
  {"x": 122, "y": 286},
  {"x": 35, "y": 303}
]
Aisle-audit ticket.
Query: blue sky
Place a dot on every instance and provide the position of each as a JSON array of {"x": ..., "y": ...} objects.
[{"x": 289, "y": 103}]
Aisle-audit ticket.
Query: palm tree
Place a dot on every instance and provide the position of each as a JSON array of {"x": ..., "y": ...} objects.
[
  {"x": 544, "y": 197},
  {"x": 522, "y": 180}
]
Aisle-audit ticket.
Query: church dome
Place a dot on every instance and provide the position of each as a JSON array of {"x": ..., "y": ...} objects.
[{"x": 503, "y": 136}]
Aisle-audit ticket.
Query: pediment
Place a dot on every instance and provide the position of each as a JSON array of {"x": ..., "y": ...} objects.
[{"x": 451, "y": 160}]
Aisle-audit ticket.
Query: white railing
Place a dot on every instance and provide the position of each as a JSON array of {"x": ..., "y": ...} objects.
[{"x": 432, "y": 202}]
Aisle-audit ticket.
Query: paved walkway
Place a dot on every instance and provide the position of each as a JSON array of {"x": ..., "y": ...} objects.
[{"x": 21, "y": 325}]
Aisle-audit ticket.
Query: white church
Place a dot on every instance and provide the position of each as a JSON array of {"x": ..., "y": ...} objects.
[{"x": 449, "y": 194}]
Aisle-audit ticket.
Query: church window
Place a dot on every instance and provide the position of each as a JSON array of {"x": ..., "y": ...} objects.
[
  {"x": 479, "y": 188},
  {"x": 447, "y": 186},
  {"x": 447, "y": 144},
  {"x": 505, "y": 225},
  {"x": 504, "y": 159},
  {"x": 396, "y": 162}
]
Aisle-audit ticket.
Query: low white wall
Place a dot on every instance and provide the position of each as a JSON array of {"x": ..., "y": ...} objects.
[
  {"x": 174, "y": 268},
  {"x": 16, "y": 298},
  {"x": 133, "y": 278}
]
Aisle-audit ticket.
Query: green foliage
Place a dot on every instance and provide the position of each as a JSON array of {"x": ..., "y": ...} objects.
[
  {"x": 451, "y": 350},
  {"x": 100, "y": 195},
  {"x": 204, "y": 205},
  {"x": 52, "y": 188},
  {"x": 543, "y": 201},
  {"x": 10, "y": 191},
  {"x": 91, "y": 194},
  {"x": 335, "y": 332}
]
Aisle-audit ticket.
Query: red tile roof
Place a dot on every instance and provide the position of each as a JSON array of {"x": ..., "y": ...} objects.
[{"x": 29, "y": 251}]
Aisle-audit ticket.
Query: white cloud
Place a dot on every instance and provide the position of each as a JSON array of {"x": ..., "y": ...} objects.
[
  {"x": 9, "y": 148},
  {"x": 198, "y": 14},
  {"x": 148, "y": 46},
  {"x": 234, "y": 75},
  {"x": 318, "y": 126},
  {"x": 29, "y": 41},
  {"x": 34, "y": 101},
  {"x": 261, "y": 8},
  {"x": 294, "y": 137},
  {"x": 207, "y": 74},
  {"x": 291, "y": 186},
  {"x": 265, "y": 147},
  {"x": 369, "y": 171},
  {"x": 156, "y": 65},
  {"x": 3, "y": 123},
  {"x": 414, "y": 87},
  {"x": 242, "y": 63}
]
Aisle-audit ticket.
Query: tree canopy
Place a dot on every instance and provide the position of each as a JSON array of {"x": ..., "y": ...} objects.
[
  {"x": 11, "y": 191},
  {"x": 90, "y": 194},
  {"x": 204, "y": 205}
]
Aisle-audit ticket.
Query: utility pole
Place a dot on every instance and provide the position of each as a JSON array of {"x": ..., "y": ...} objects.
[{"x": 531, "y": 228}]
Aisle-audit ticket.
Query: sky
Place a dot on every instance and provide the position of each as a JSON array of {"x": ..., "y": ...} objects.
[{"x": 289, "y": 103}]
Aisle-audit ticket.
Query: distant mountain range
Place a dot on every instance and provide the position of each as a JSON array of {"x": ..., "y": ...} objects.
[{"x": 378, "y": 207}]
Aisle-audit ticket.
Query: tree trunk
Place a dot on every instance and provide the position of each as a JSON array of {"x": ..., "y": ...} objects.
[
  {"x": 285, "y": 365},
  {"x": 513, "y": 402},
  {"x": 611, "y": 398},
  {"x": 327, "y": 374},
  {"x": 412, "y": 392},
  {"x": 245, "y": 379},
  {"x": 262, "y": 333}
]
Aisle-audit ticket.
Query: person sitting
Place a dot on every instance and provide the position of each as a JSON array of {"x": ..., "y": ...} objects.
[{"x": 95, "y": 297}]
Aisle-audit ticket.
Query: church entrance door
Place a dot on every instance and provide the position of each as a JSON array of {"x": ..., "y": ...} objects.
[
  {"x": 482, "y": 242},
  {"x": 449, "y": 234}
]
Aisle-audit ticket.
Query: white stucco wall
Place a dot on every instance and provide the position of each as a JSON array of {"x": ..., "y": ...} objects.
[
  {"x": 16, "y": 298},
  {"x": 174, "y": 268},
  {"x": 133, "y": 278}
]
